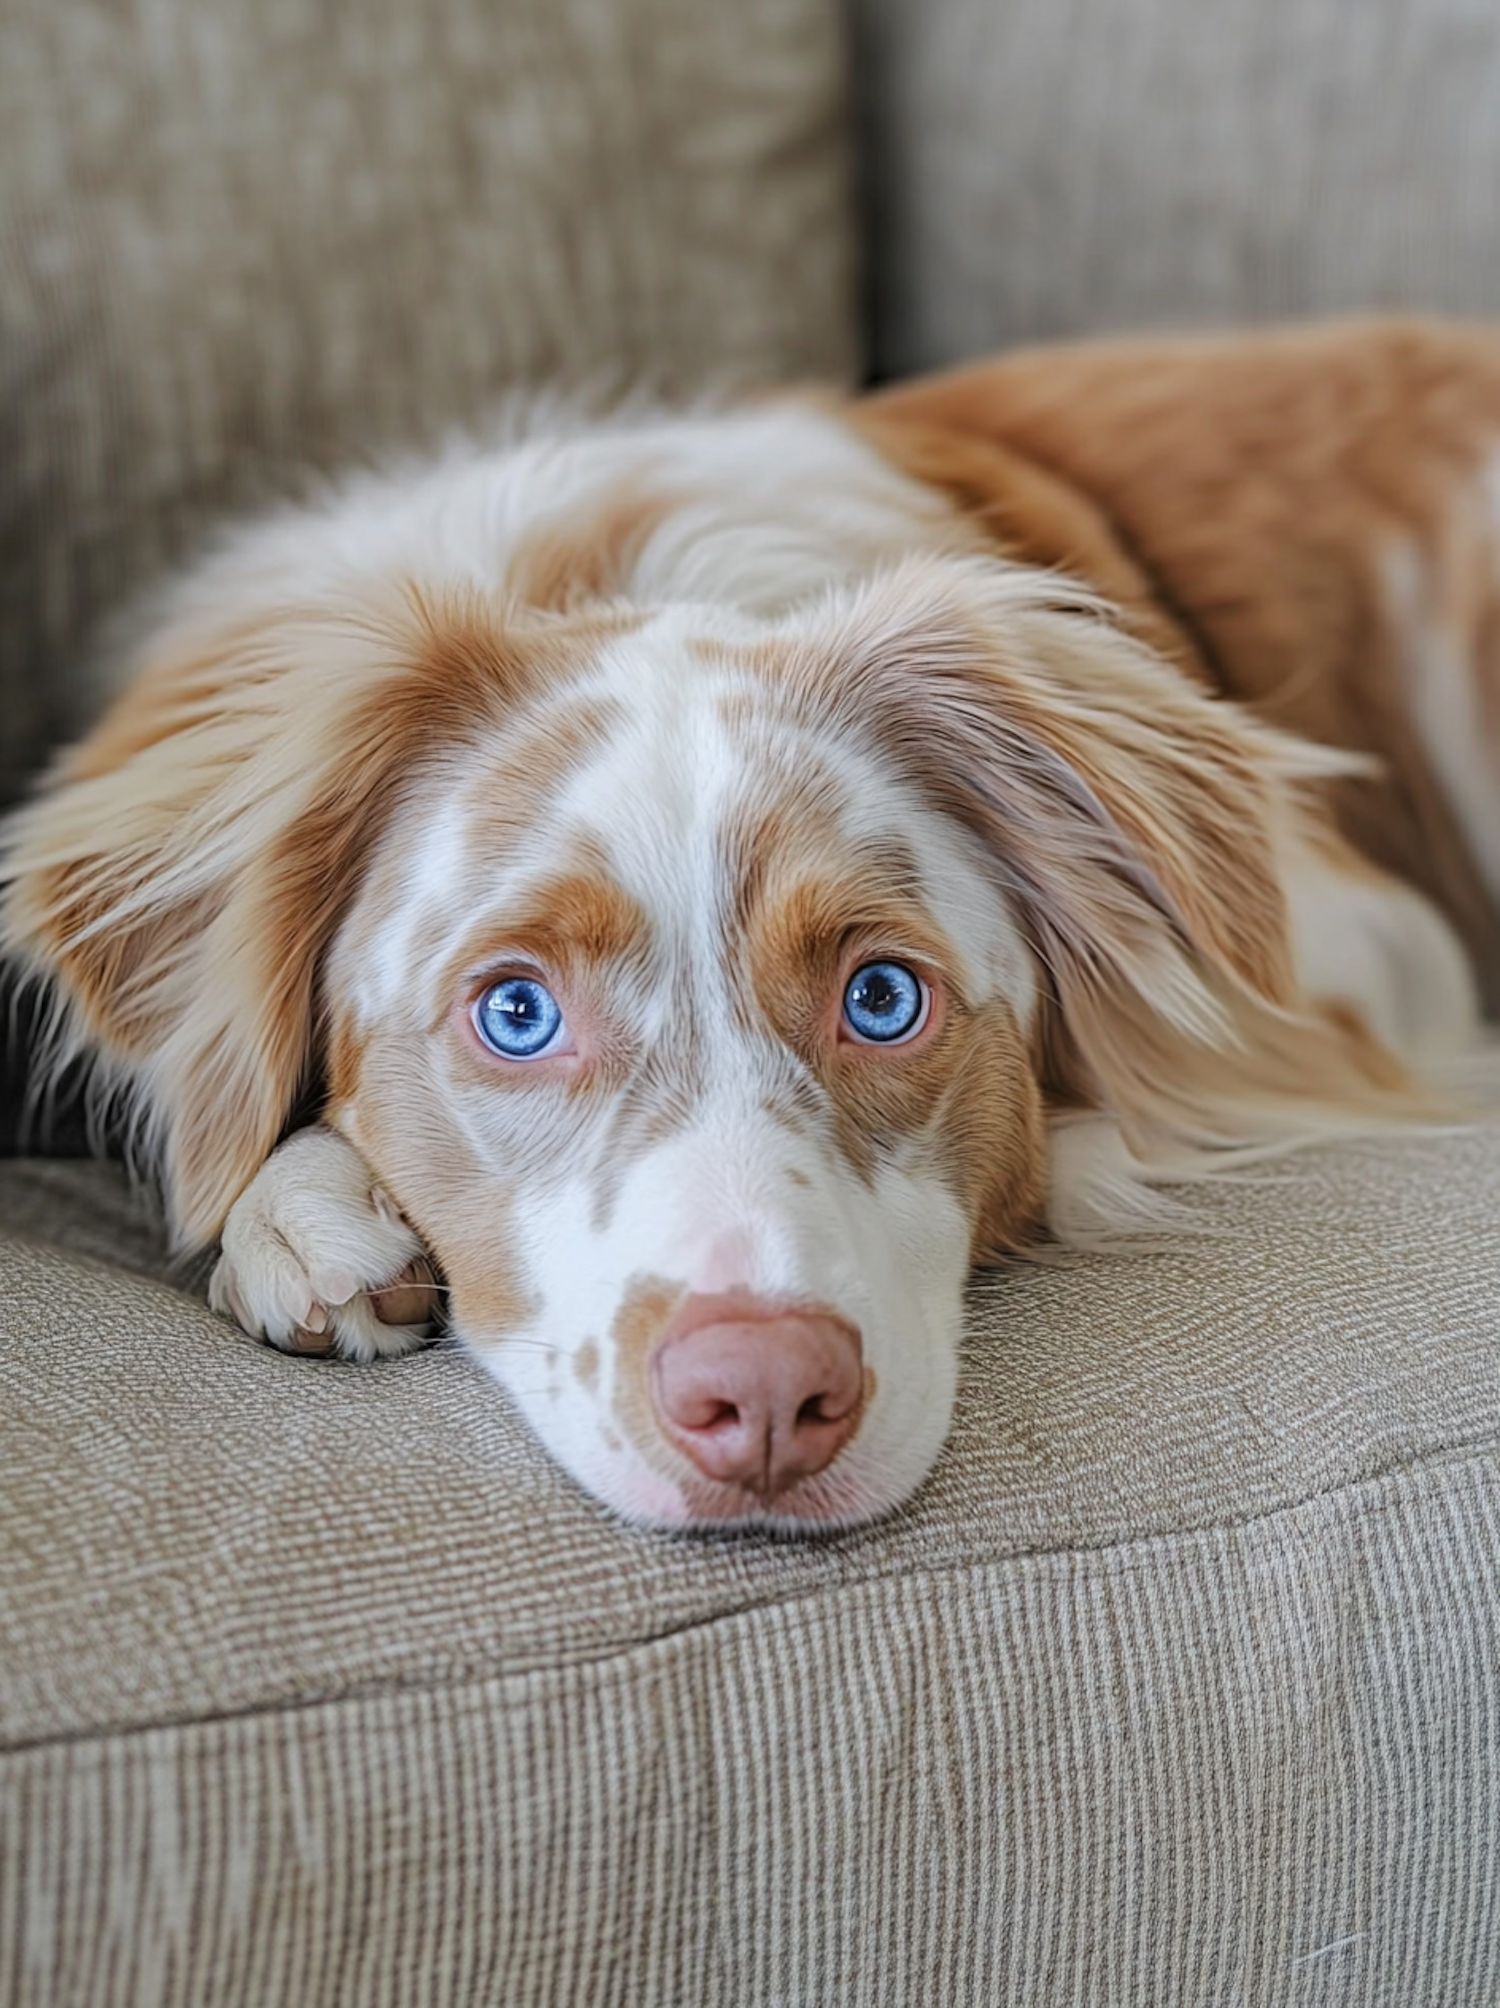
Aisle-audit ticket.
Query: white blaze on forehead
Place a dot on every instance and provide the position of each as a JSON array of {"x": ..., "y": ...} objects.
[
  {"x": 654, "y": 801},
  {"x": 659, "y": 795}
]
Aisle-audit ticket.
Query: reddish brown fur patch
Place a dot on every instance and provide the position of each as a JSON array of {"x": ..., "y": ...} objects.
[
  {"x": 989, "y": 1137},
  {"x": 1191, "y": 799},
  {"x": 490, "y": 1304},
  {"x": 587, "y": 557},
  {"x": 576, "y": 921},
  {"x": 1255, "y": 482},
  {"x": 295, "y": 894},
  {"x": 644, "y": 1314},
  {"x": 1029, "y": 514},
  {"x": 424, "y": 673},
  {"x": 502, "y": 805},
  {"x": 972, "y": 719},
  {"x": 459, "y": 1213},
  {"x": 182, "y": 687},
  {"x": 112, "y": 968},
  {"x": 344, "y": 1059},
  {"x": 969, "y": 1091},
  {"x": 1139, "y": 829}
]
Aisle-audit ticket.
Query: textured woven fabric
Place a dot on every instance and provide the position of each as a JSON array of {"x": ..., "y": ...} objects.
[
  {"x": 1178, "y": 1683},
  {"x": 238, "y": 237},
  {"x": 1056, "y": 167}
]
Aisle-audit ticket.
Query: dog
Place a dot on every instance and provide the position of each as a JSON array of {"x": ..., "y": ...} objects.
[{"x": 697, "y": 883}]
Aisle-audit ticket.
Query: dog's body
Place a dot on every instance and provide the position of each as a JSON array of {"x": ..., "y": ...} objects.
[{"x": 721, "y": 875}]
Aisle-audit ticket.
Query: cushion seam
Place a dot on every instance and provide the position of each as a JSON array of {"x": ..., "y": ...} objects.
[{"x": 1474, "y": 1458}]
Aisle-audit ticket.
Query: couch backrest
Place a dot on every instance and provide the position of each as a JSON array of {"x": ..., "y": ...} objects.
[
  {"x": 239, "y": 237},
  {"x": 1054, "y": 167}
]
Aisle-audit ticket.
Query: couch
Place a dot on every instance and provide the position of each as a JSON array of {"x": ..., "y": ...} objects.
[{"x": 1178, "y": 1683}]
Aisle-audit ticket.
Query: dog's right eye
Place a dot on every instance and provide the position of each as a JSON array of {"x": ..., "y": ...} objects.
[
  {"x": 518, "y": 1018},
  {"x": 885, "y": 1003}
]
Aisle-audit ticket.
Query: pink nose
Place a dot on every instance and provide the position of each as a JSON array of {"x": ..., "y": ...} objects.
[{"x": 757, "y": 1396}]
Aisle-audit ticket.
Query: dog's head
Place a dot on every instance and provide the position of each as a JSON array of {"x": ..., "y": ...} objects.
[
  {"x": 695, "y": 1040},
  {"x": 701, "y": 985}
]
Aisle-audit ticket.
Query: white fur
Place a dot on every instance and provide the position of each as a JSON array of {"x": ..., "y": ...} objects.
[
  {"x": 304, "y": 1242},
  {"x": 775, "y": 505},
  {"x": 1374, "y": 943}
]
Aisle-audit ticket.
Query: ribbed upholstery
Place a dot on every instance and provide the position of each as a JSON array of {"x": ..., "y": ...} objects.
[
  {"x": 242, "y": 237},
  {"x": 1256, "y": 1765},
  {"x": 1179, "y": 1682}
]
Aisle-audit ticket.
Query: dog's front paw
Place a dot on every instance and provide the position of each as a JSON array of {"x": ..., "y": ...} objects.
[{"x": 317, "y": 1259}]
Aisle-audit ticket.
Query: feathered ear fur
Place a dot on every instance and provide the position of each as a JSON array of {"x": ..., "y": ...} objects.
[
  {"x": 181, "y": 873},
  {"x": 1142, "y": 829}
]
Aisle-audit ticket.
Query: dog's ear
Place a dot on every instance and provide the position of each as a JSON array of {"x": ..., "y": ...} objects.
[
  {"x": 1140, "y": 827},
  {"x": 180, "y": 873}
]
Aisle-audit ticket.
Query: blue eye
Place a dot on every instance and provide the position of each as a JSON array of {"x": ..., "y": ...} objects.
[
  {"x": 884, "y": 1001},
  {"x": 518, "y": 1018}
]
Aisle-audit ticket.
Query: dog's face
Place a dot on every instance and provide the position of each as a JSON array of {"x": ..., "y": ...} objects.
[{"x": 695, "y": 1045}]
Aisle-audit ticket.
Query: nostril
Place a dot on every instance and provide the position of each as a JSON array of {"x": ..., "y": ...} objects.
[{"x": 692, "y": 1407}]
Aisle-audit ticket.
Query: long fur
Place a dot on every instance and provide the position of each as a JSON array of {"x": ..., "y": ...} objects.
[{"x": 939, "y": 658}]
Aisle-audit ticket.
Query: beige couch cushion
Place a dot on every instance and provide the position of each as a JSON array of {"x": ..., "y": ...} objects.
[
  {"x": 237, "y": 237},
  {"x": 1056, "y": 167},
  {"x": 1178, "y": 1682}
]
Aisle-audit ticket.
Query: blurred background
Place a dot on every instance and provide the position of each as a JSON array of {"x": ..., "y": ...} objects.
[
  {"x": 1043, "y": 168},
  {"x": 241, "y": 238}
]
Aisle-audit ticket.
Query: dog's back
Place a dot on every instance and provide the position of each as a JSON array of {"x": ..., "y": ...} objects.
[{"x": 1306, "y": 520}]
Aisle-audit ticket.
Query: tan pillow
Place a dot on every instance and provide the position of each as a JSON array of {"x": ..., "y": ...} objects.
[
  {"x": 236, "y": 238},
  {"x": 1053, "y": 167}
]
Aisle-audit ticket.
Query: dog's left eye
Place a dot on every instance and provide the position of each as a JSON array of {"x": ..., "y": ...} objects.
[
  {"x": 884, "y": 1002},
  {"x": 518, "y": 1018}
]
